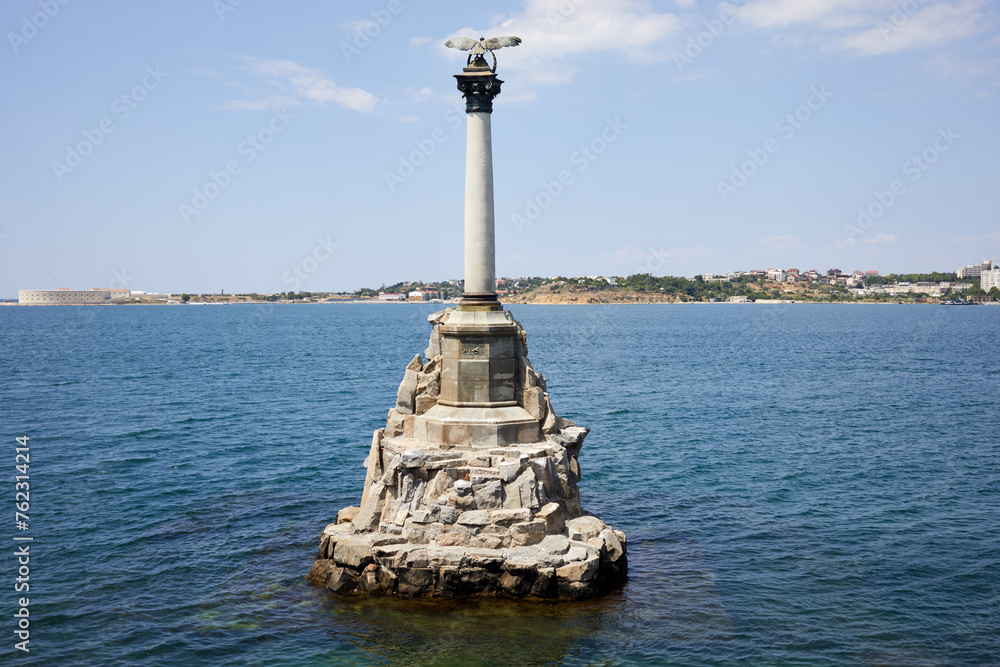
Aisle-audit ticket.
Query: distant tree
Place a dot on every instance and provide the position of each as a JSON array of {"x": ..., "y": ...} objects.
[
  {"x": 994, "y": 293},
  {"x": 185, "y": 297}
]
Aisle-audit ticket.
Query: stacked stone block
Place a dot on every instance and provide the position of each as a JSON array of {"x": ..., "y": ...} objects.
[{"x": 476, "y": 518}]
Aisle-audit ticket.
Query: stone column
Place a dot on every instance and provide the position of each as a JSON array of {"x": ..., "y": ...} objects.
[{"x": 479, "y": 85}]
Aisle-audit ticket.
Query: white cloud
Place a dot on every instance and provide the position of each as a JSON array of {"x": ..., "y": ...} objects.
[
  {"x": 995, "y": 236},
  {"x": 555, "y": 30},
  {"x": 786, "y": 242},
  {"x": 205, "y": 71},
  {"x": 268, "y": 103},
  {"x": 423, "y": 94},
  {"x": 307, "y": 83},
  {"x": 787, "y": 238},
  {"x": 781, "y": 13},
  {"x": 360, "y": 25},
  {"x": 881, "y": 26},
  {"x": 627, "y": 253},
  {"x": 881, "y": 238},
  {"x": 929, "y": 26},
  {"x": 846, "y": 243},
  {"x": 420, "y": 41}
]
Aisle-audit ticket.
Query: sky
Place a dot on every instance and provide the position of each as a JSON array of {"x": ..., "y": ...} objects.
[{"x": 261, "y": 146}]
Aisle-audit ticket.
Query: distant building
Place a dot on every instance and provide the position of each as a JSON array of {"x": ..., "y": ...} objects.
[
  {"x": 391, "y": 296},
  {"x": 68, "y": 297},
  {"x": 422, "y": 295},
  {"x": 989, "y": 279},
  {"x": 974, "y": 270}
]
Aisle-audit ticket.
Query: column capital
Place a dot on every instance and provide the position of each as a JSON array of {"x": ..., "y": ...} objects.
[{"x": 479, "y": 85}]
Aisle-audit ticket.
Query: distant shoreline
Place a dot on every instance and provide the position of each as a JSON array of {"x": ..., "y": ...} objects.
[{"x": 523, "y": 303}]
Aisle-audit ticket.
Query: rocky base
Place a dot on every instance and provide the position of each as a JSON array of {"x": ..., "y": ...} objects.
[
  {"x": 568, "y": 565},
  {"x": 455, "y": 520}
]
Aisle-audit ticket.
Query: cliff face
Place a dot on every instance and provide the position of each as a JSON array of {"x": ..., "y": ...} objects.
[{"x": 568, "y": 294}]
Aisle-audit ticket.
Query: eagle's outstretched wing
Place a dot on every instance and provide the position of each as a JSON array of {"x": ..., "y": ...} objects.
[
  {"x": 494, "y": 43},
  {"x": 462, "y": 43}
]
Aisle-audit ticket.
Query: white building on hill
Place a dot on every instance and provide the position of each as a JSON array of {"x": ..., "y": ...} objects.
[{"x": 989, "y": 280}]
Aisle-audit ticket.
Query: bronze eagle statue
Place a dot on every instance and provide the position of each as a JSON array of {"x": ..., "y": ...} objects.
[{"x": 478, "y": 47}]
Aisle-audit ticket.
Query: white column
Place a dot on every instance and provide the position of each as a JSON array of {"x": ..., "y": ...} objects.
[{"x": 480, "y": 268}]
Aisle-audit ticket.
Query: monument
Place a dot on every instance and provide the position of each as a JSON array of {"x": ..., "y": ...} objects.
[{"x": 471, "y": 487}]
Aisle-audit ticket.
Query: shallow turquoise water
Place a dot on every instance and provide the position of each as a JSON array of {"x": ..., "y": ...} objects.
[{"x": 800, "y": 484}]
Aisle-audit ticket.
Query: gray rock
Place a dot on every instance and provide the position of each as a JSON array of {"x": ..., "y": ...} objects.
[
  {"x": 452, "y": 538},
  {"x": 368, "y": 583},
  {"x": 320, "y": 572},
  {"x": 446, "y": 556},
  {"x": 368, "y": 516},
  {"x": 488, "y": 496},
  {"x": 486, "y": 541},
  {"x": 436, "y": 487},
  {"x": 524, "y": 487},
  {"x": 589, "y": 526},
  {"x": 373, "y": 464},
  {"x": 555, "y": 544},
  {"x": 545, "y": 474},
  {"x": 554, "y": 517},
  {"x": 533, "y": 401},
  {"x": 347, "y": 514},
  {"x": 414, "y": 457},
  {"x": 509, "y": 470},
  {"x": 406, "y": 487},
  {"x": 416, "y": 364},
  {"x": 524, "y": 534},
  {"x": 354, "y": 551},
  {"x": 529, "y": 553},
  {"x": 506, "y": 517},
  {"x": 515, "y": 585},
  {"x": 421, "y": 516},
  {"x": 434, "y": 346},
  {"x": 418, "y": 494},
  {"x": 611, "y": 544},
  {"x": 389, "y": 476},
  {"x": 440, "y": 316},
  {"x": 382, "y": 540},
  {"x": 463, "y": 487},
  {"x": 394, "y": 424},
  {"x": 545, "y": 583},
  {"x": 474, "y": 518},
  {"x": 551, "y": 423},
  {"x": 407, "y": 392},
  {"x": 486, "y": 558},
  {"x": 342, "y": 580},
  {"x": 423, "y": 403},
  {"x": 545, "y": 559},
  {"x": 578, "y": 571},
  {"x": 429, "y": 384},
  {"x": 577, "y": 553}
]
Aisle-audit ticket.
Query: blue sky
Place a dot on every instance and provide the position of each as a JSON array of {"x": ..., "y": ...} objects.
[{"x": 258, "y": 145}]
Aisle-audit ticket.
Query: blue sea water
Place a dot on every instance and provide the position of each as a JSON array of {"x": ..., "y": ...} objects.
[{"x": 800, "y": 484}]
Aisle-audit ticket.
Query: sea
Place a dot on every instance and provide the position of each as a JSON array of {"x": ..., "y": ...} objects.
[{"x": 801, "y": 484}]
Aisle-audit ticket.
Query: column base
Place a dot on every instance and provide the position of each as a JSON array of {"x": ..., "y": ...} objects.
[{"x": 479, "y": 301}]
